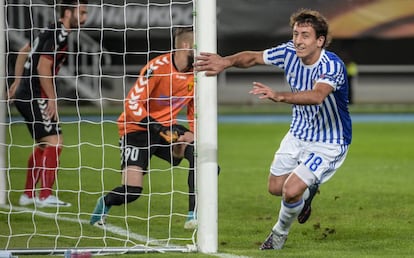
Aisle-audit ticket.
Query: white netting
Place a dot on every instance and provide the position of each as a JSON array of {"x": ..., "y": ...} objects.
[{"x": 104, "y": 60}]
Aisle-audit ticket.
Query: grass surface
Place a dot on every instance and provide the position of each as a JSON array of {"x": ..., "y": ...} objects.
[
  {"x": 365, "y": 210},
  {"x": 263, "y": 108}
]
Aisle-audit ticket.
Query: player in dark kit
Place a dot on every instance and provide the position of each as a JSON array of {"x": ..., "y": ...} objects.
[{"x": 34, "y": 95}]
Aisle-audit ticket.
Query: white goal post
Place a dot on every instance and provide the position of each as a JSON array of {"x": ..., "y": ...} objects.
[
  {"x": 206, "y": 39},
  {"x": 90, "y": 162},
  {"x": 2, "y": 107}
]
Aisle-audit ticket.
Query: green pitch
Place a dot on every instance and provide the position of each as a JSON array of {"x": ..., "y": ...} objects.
[{"x": 365, "y": 210}]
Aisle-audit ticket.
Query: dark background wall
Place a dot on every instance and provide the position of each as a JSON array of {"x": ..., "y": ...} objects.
[
  {"x": 362, "y": 51},
  {"x": 366, "y": 31}
]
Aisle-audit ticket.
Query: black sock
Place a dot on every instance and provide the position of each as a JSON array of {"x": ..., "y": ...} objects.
[
  {"x": 117, "y": 195},
  {"x": 189, "y": 155}
]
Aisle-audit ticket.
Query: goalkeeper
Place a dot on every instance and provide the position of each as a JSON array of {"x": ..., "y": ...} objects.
[{"x": 148, "y": 126}]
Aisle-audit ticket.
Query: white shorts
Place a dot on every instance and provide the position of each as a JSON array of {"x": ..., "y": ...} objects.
[{"x": 313, "y": 162}]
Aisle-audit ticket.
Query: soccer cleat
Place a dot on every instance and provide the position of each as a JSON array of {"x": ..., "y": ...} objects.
[
  {"x": 274, "y": 241},
  {"x": 191, "y": 221},
  {"x": 51, "y": 201},
  {"x": 307, "y": 209},
  {"x": 26, "y": 200},
  {"x": 98, "y": 217}
]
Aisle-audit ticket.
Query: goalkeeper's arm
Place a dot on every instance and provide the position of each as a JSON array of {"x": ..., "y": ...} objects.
[{"x": 155, "y": 127}]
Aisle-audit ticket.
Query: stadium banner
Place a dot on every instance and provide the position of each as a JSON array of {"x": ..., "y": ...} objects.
[{"x": 348, "y": 19}]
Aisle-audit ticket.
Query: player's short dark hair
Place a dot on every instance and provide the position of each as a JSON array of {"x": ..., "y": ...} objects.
[
  {"x": 69, "y": 5},
  {"x": 315, "y": 19}
]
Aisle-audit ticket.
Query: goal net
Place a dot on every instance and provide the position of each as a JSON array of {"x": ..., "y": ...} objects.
[{"x": 104, "y": 58}]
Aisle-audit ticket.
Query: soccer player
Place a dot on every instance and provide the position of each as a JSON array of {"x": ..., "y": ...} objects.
[
  {"x": 320, "y": 132},
  {"x": 34, "y": 95},
  {"x": 148, "y": 126}
]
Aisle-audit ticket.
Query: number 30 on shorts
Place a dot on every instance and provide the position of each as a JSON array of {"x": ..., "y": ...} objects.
[{"x": 313, "y": 162}]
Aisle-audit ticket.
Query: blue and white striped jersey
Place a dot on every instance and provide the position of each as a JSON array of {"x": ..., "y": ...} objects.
[{"x": 329, "y": 122}]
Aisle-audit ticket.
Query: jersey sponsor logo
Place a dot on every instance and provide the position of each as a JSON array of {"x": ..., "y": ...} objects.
[
  {"x": 181, "y": 77},
  {"x": 190, "y": 86},
  {"x": 174, "y": 102},
  {"x": 326, "y": 77}
]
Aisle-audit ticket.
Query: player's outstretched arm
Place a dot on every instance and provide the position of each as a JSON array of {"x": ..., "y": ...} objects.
[
  {"x": 213, "y": 64},
  {"x": 310, "y": 97},
  {"x": 264, "y": 91}
]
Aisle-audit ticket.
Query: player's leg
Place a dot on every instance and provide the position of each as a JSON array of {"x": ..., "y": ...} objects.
[
  {"x": 191, "y": 221},
  {"x": 317, "y": 163},
  {"x": 25, "y": 109},
  {"x": 129, "y": 191},
  {"x": 316, "y": 166},
  {"x": 324, "y": 159},
  {"x": 186, "y": 150},
  {"x": 308, "y": 196},
  {"x": 34, "y": 164},
  {"x": 50, "y": 163},
  {"x": 47, "y": 134},
  {"x": 290, "y": 189},
  {"x": 291, "y": 205},
  {"x": 134, "y": 161},
  {"x": 275, "y": 183},
  {"x": 283, "y": 183}
]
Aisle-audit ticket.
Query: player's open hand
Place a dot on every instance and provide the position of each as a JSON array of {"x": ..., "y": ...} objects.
[
  {"x": 51, "y": 110},
  {"x": 210, "y": 63},
  {"x": 264, "y": 91}
]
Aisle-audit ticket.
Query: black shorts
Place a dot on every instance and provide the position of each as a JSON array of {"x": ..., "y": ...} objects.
[
  {"x": 36, "y": 120},
  {"x": 135, "y": 150}
]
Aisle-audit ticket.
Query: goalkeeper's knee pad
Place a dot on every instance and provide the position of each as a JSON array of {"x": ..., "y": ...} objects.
[
  {"x": 117, "y": 195},
  {"x": 133, "y": 193}
]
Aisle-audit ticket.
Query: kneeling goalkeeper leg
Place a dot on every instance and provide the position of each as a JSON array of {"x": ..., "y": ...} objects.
[
  {"x": 191, "y": 217},
  {"x": 120, "y": 195},
  {"x": 190, "y": 223}
]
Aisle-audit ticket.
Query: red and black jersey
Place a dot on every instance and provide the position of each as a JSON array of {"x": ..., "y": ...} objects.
[
  {"x": 51, "y": 43},
  {"x": 160, "y": 92}
]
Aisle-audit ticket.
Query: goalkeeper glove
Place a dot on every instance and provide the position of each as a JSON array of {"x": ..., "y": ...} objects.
[
  {"x": 169, "y": 136},
  {"x": 157, "y": 128}
]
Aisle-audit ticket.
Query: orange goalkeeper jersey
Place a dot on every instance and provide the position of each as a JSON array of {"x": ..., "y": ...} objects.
[{"x": 160, "y": 92}]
